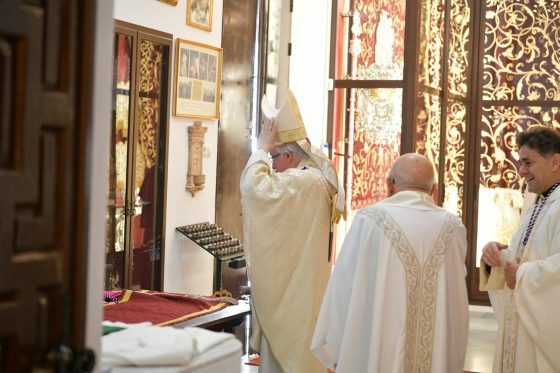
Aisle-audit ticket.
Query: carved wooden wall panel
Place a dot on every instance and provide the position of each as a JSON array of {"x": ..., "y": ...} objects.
[{"x": 41, "y": 170}]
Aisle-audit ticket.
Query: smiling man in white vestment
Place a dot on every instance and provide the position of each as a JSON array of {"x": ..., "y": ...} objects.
[
  {"x": 524, "y": 280},
  {"x": 397, "y": 298},
  {"x": 290, "y": 194}
]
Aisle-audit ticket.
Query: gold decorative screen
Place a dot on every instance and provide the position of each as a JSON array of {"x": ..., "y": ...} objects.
[
  {"x": 520, "y": 89},
  {"x": 442, "y": 111},
  {"x": 521, "y": 54},
  {"x": 483, "y": 72}
]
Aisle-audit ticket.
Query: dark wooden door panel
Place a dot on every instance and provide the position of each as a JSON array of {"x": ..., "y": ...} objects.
[{"x": 44, "y": 80}]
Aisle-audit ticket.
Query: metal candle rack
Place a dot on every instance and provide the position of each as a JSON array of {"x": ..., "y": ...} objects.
[{"x": 223, "y": 246}]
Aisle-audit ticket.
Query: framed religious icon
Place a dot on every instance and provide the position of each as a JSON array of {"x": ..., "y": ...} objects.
[
  {"x": 199, "y": 14},
  {"x": 170, "y": 2},
  {"x": 198, "y": 71}
]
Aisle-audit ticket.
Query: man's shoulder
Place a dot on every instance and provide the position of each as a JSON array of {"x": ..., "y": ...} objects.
[
  {"x": 311, "y": 177},
  {"x": 453, "y": 219},
  {"x": 373, "y": 211},
  {"x": 378, "y": 210},
  {"x": 308, "y": 175},
  {"x": 554, "y": 203}
]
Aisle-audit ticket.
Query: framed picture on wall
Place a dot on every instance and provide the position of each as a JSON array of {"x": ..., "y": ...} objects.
[
  {"x": 199, "y": 14},
  {"x": 198, "y": 72},
  {"x": 170, "y": 2}
]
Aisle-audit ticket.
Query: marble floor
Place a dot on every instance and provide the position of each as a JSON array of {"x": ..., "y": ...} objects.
[
  {"x": 480, "y": 348},
  {"x": 483, "y": 331}
]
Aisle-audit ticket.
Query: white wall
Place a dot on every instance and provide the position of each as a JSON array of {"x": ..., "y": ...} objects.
[
  {"x": 309, "y": 69},
  {"x": 188, "y": 268}
]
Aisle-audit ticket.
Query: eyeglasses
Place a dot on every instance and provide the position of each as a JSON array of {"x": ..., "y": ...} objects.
[{"x": 274, "y": 156}]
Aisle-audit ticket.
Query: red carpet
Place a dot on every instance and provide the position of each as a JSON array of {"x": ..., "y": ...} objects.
[
  {"x": 254, "y": 361},
  {"x": 158, "y": 308}
]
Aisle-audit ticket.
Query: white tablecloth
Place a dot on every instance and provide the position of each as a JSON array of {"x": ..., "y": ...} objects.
[{"x": 170, "y": 350}]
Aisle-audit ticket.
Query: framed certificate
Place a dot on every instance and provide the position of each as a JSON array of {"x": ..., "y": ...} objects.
[{"x": 198, "y": 70}]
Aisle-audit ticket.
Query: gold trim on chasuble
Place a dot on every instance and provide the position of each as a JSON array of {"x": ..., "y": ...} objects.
[
  {"x": 421, "y": 288},
  {"x": 510, "y": 334}
]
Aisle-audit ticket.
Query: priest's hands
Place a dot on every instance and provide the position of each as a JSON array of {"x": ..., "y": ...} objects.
[
  {"x": 491, "y": 253},
  {"x": 491, "y": 256},
  {"x": 268, "y": 135},
  {"x": 511, "y": 274}
]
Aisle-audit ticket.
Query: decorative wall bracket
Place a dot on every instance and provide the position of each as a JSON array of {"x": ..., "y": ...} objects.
[{"x": 195, "y": 178}]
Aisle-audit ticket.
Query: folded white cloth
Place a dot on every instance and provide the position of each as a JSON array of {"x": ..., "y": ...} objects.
[
  {"x": 157, "y": 346},
  {"x": 205, "y": 340},
  {"x": 120, "y": 324}
]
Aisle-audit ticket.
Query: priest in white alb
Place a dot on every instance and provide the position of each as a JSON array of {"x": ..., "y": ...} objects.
[
  {"x": 290, "y": 196},
  {"x": 397, "y": 297},
  {"x": 523, "y": 279}
]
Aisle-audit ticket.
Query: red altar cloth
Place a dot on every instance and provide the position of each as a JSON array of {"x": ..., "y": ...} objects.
[{"x": 158, "y": 308}]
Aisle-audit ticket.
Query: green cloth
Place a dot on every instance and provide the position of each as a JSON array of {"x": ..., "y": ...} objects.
[{"x": 111, "y": 329}]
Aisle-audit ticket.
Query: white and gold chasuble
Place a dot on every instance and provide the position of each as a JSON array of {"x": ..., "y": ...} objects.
[
  {"x": 286, "y": 225},
  {"x": 529, "y": 316},
  {"x": 397, "y": 299}
]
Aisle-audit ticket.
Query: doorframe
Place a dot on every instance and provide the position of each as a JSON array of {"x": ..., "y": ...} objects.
[{"x": 96, "y": 166}]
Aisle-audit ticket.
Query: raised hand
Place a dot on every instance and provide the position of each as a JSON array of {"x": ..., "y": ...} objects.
[
  {"x": 268, "y": 135},
  {"x": 491, "y": 253}
]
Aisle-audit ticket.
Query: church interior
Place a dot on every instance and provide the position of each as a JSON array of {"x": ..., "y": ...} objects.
[{"x": 126, "y": 124}]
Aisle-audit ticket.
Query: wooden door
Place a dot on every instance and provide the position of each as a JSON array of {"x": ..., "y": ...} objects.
[{"x": 45, "y": 72}]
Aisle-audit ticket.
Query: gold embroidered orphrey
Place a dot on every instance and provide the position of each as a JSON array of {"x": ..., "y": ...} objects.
[
  {"x": 421, "y": 288},
  {"x": 195, "y": 178},
  {"x": 510, "y": 334}
]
